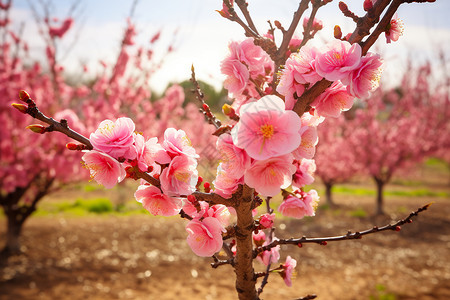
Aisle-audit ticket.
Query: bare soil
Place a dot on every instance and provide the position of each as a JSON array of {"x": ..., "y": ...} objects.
[{"x": 144, "y": 257}]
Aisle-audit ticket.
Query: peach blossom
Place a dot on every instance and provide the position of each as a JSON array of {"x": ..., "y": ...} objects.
[
  {"x": 266, "y": 220},
  {"x": 115, "y": 138},
  {"x": 103, "y": 168},
  {"x": 288, "y": 270},
  {"x": 304, "y": 174},
  {"x": 333, "y": 100},
  {"x": 157, "y": 203},
  {"x": 176, "y": 142},
  {"x": 299, "y": 207},
  {"x": 366, "y": 78},
  {"x": 395, "y": 29},
  {"x": 224, "y": 184},
  {"x": 268, "y": 176},
  {"x": 205, "y": 237},
  {"x": 340, "y": 58},
  {"x": 266, "y": 129},
  {"x": 180, "y": 177},
  {"x": 234, "y": 160}
]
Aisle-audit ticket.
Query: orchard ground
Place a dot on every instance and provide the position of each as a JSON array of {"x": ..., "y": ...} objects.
[{"x": 88, "y": 243}]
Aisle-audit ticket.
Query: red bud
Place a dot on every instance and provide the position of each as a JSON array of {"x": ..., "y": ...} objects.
[
  {"x": 24, "y": 96},
  {"x": 191, "y": 198},
  {"x": 20, "y": 107},
  {"x": 36, "y": 128},
  {"x": 72, "y": 146},
  {"x": 397, "y": 228},
  {"x": 299, "y": 245},
  {"x": 367, "y": 5},
  {"x": 323, "y": 243},
  {"x": 207, "y": 187}
]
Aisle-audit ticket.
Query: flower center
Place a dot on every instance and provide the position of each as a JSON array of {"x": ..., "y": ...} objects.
[{"x": 267, "y": 131}]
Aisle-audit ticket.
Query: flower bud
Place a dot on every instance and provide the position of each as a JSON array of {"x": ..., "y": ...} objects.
[
  {"x": 24, "y": 96},
  {"x": 343, "y": 7},
  {"x": 72, "y": 146},
  {"x": 207, "y": 187},
  {"x": 20, "y": 107},
  {"x": 367, "y": 5},
  {"x": 36, "y": 128},
  {"x": 337, "y": 32}
]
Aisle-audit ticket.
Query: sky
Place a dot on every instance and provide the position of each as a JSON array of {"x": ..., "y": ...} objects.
[{"x": 203, "y": 35}]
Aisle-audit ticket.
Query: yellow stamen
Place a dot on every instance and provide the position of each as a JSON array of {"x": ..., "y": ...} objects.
[{"x": 267, "y": 131}]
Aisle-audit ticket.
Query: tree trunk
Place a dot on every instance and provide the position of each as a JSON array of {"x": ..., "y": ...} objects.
[
  {"x": 380, "y": 185},
  {"x": 14, "y": 228},
  {"x": 328, "y": 187},
  {"x": 245, "y": 275}
]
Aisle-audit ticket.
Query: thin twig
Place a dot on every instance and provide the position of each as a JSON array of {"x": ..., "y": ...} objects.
[
  {"x": 349, "y": 236},
  {"x": 200, "y": 97}
]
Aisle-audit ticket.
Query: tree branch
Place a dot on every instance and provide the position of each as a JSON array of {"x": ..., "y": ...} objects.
[
  {"x": 348, "y": 236},
  {"x": 61, "y": 126}
]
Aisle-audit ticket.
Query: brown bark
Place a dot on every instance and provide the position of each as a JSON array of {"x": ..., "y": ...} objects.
[
  {"x": 245, "y": 275},
  {"x": 328, "y": 195},
  {"x": 380, "y": 185}
]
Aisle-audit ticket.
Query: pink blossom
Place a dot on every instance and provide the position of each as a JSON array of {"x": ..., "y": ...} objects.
[
  {"x": 177, "y": 143},
  {"x": 268, "y": 176},
  {"x": 299, "y": 207},
  {"x": 205, "y": 237},
  {"x": 304, "y": 174},
  {"x": 269, "y": 256},
  {"x": 115, "y": 138},
  {"x": 366, "y": 78},
  {"x": 266, "y": 220},
  {"x": 148, "y": 152},
  {"x": 220, "y": 212},
  {"x": 316, "y": 25},
  {"x": 333, "y": 100},
  {"x": 394, "y": 29},
  {"x": 340, "y": 59},
  {"x": 234, "y": 160},
  {"x": 254, "y": 57},
  {"x": 307, "y": 147},
  {"x": 180, "y": 177},
  {"x": 299, "y": 70},
  {"x": 288, "y": 270},
  {"x": 237, "y": 76},
  {"x": 192, "y": 211},
  {"x": 61, "y": 30},
  {"x": 103, "y": 168},
  {"x": 266, "y": 129},
  {"x": 224, "y": 184},
  {"x": 259, "y": 238},
  {"x": 157, "y": 203}
]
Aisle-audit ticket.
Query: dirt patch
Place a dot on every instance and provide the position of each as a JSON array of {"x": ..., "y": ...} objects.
[{"x": 144, "y": 257}]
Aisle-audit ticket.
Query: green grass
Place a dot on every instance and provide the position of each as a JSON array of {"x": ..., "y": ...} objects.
[
  {"x": 382, "y": 294},
  {"x": 424, "y": 192},
  {"x": 83, "y": 207},
  {"x": 358, "y": 213}
]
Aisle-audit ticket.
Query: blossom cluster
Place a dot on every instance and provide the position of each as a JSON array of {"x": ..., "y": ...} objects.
[
  {"x": 340, "y": 62},
  {"x": 119, "y": 150}
]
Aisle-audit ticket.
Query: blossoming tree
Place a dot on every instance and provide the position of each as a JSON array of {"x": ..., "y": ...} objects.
[
  {"x": 335, "y": 160},
  {"x": 396, "y": 131},
  {"x": 27, "y": 175},
  {"x": 264, "y": 148}
]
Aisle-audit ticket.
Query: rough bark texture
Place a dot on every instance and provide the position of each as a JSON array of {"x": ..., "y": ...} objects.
[{"x": 245, "y": 275}]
